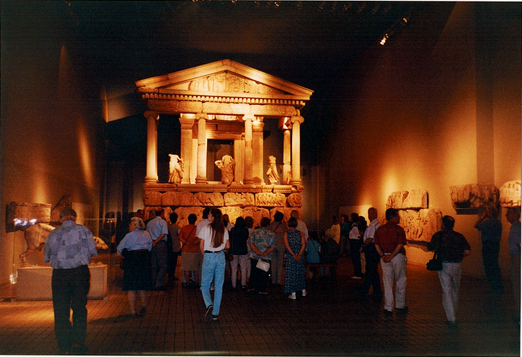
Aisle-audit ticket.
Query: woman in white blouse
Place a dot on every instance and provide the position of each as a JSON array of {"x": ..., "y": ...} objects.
[{"x": 213, "y": 242}]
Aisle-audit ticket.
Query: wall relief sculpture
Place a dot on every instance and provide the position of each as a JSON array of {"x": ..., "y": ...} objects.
[
  {"x": 175, "y": 169},
  {"x": 474, "y": 196},
  {"x": 226, "y": 165},
  {"x": 413, "y": 199},
  {"x": 420, "y": 225},
  {"x": 229, "y": 83},
  {"x": 510, "y": 194}
]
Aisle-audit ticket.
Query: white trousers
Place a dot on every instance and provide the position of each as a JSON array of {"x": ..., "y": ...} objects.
[
  {"x": 449, "y": 277},
  {"x": 394, "y": 272}
]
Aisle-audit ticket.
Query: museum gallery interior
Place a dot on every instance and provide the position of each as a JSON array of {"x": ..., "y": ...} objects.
[{"x": 256, "y": 107}]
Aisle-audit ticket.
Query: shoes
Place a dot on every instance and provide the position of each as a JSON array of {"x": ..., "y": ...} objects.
[
  {"x": 209, "y": 312},
  {"x": 292, "y": 296},
  {"x": 243, "y": 287},
  {"x": 214, "y": 317},
  {"x": 304, "y": 293},
  {"x": 356, "y": 277},
  {"x": 402, "y": 309},
  {"x": 387, "y": 312},
  {"x": 143, "y": 310},
  {"x": 263, "y": 293},
  {"x": 78, "y": 349}
]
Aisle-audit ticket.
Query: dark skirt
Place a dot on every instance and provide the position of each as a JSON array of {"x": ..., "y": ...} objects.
[{"x": 137, "y": 274}]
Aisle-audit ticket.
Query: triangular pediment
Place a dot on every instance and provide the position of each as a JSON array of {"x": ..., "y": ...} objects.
[{"x": 224, "y": 78}]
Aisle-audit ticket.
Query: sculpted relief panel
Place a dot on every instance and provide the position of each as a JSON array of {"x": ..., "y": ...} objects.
[
  {"x": 510, "y": 194},
  {"x": 474, "y": 195},
  {"x": 228, "y": 83}
]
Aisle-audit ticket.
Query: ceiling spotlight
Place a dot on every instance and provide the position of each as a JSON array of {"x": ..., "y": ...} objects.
[
  {"x": 334, "y": 7},
  {"x": 299, "y": 4},
  {"x": 384, "y": 39},
  {"x": 277, "y": 3},
  {"x": 257, "y": 3},
  {"x": 321, "y": 5}
]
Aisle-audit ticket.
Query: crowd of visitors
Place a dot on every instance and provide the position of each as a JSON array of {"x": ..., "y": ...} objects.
[{"x": 217, "y": 248}]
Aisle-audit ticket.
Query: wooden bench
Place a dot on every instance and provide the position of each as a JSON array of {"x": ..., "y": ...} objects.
[{"x": 331, "y": 272}]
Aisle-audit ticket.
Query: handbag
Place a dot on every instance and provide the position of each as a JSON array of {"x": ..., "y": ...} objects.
[
  {"x": 434, "y": 264},
  {"x": 263, "y": 265},
  {"x": 122, "y": 260}
]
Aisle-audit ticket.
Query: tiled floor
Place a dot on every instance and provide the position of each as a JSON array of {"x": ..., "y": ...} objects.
[{"x": 327, "y": 322}]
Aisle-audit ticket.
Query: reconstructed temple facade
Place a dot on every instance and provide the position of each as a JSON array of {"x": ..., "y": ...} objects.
[{"x": 225, "y": 100}]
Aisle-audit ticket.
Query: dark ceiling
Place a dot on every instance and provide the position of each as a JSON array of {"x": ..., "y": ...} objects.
[{"x": 305, "y": 42}]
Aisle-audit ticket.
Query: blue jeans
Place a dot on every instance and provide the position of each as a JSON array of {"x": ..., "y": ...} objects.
[{"x": 213, "y": 269}]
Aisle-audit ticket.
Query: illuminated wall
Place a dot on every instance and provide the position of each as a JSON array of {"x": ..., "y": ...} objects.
[
  {"x": 51, "y": 121},
  {"x": 438, "y": 105}
]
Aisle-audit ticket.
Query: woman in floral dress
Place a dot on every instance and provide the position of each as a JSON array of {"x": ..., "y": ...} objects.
[{"x": 295, "y": 272}]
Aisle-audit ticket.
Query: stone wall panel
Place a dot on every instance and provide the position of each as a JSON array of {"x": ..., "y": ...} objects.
[
  {"x": 474, "y": 195},
  {"x": 239, "y": 199},
  {"x": 295, "y": 200},
  {"x": 420, "y": 225},
  {"x": 214, "y": 199},
  {"x": 174, "y": 198},
  {"x": 270, "y": 199}
]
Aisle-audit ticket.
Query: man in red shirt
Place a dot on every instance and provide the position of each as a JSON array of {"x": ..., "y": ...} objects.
[{"x": 390, "y": 240}]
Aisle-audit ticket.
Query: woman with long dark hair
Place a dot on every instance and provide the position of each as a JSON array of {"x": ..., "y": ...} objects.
[{"x": 213, "y": 242}]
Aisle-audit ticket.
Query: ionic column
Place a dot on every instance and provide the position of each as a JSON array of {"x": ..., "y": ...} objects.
[
  {"x": 296, "y": 149},
  {"x": 186, "y": 146},
  {"x": 202, "y": 148},
  {"x": 286, "y": 156},
  {"x": 152, "y": 146},
  {"x": 248, "y": 149},
  {"x": 258, "y": 151}
]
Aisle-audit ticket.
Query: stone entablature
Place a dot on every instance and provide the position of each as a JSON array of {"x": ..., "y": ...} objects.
[{"x": 474, "y": 195}]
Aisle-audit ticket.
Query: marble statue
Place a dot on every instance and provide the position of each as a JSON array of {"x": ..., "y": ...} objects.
[
  {"x": 36, "y": 235},
  {"x": 175, "y": 169},
  {"x": 272, "y": 174},
  {"x": 227, "y": 165}
]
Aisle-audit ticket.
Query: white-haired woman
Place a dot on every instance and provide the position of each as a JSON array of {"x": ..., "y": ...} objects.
[{"x": 135, "y": 248}]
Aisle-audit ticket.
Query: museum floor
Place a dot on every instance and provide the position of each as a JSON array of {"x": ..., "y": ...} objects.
[{"x": 326, "y": 322}]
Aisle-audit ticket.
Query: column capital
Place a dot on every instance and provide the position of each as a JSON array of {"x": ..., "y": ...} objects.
[
  {"x": 148, "y": 114},
  {"x": 296, "y": 118},
  {"x": 201, "y": 116},
  {"x": 249, "y": 117}
]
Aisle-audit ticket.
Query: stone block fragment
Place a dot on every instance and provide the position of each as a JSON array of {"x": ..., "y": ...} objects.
[
  {"x": 175, "y": 198},
  {"x": 510, "y": 194},
  {"x": 474, "y": 195},
  {"x": 152, "y": 198},
  {"x": 420, "y": 225},
  {"x": 209, "y": 199},
  {"x": 270, "y": 199},
  {"x": 414, "y": 199},
  {"x": 295, "y": 200},
  {"x": 239, "y": 199}
]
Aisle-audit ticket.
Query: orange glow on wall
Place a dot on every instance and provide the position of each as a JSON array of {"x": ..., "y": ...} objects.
[{"x": 85, "y": 152}]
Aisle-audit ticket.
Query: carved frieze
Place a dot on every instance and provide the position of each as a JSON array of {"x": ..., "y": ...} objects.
[
  {"x": 209, "y": 199},
  {"x": 184, "y": 212},
  {"x": 474, "y": 195},
  {"x": 270, "y": 199},
  {"x": 510, "y": 194},
  {"x": 413, "y": 199},
  {"x": 239, "y": 199},
  {"x": 256, "y": 212},
  {"x": 177, "y": 198},
  {"x": 226, "y": 82},
  {"x": 295, "y": 200},
  {"x": 420, "y": 225},
  {"x": 152, "y": 198}
]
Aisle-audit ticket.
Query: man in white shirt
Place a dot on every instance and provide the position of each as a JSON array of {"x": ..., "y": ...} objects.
[
  {"x": 158, "y": 229},
  {"x": 371, "y": 278}
]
